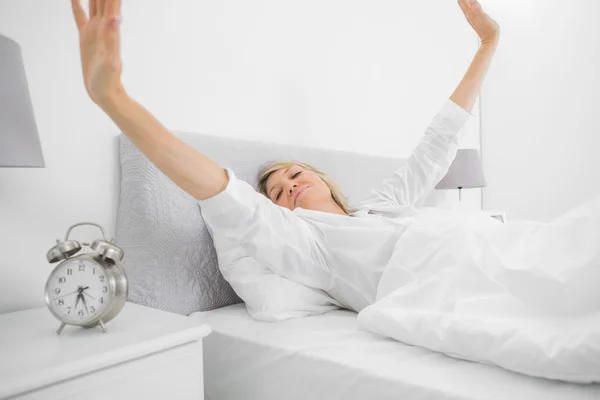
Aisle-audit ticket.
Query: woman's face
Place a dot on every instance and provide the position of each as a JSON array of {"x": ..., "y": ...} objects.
[{"x": 298, "y": 187}]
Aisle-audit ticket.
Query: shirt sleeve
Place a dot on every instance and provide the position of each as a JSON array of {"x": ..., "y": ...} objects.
[
  {"x": 427, "y": 164},
  {"x": 267, "y": 253}
]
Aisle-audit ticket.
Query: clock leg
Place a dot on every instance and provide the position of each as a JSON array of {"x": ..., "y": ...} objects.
[
  {"x": 59, "y": 330},
  {"x": 102, "y": 325}
]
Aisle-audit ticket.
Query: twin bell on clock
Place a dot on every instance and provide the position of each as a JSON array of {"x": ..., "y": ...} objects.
[{"x": 87, "y": 289}]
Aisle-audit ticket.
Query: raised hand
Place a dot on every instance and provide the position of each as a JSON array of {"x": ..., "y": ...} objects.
[
  {"x": 100, "y": 43},
  {"x": 100, "y": 46},
  {"x": 486, "y": 28}
]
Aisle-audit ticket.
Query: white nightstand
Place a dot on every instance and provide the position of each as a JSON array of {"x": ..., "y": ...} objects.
[{"x": 146, "y": 354}]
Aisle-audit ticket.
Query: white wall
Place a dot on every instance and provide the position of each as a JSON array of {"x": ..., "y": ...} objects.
[
  {"x": 540, "y": 107},
  {"x": 346, "y": 74}
]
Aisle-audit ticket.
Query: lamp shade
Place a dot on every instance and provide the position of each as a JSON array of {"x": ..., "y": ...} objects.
[
  {"x": 19, "y": 140},
  {"x": 464, "y": 172}
]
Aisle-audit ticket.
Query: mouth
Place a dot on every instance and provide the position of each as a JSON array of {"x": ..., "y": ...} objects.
[{"x": 299, "y": 193}]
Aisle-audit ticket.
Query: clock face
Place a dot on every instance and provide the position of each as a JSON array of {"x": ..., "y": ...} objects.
[{"x": 78, "y": 291}]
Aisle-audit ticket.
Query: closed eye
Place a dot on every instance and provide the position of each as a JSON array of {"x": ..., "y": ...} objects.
[{"x": 281, "y": 190}]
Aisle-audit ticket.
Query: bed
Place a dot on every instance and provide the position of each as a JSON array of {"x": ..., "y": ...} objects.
[
  {"x": 326, "y": 357},
  {"x": 171, "y": 266}
]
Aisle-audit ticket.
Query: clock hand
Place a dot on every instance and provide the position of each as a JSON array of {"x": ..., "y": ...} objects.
[
  {"x": 77, "y": 301},
  {"x": 66, "y": 294},
  {"x": 85, "y": 305},
  {"x": 89, "y": 295}
]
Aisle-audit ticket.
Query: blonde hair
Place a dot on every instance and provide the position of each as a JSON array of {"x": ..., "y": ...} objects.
[{"x": 272, "y": 166}]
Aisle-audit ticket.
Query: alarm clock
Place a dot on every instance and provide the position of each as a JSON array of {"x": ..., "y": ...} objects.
[{"x": 88, "y": 289}]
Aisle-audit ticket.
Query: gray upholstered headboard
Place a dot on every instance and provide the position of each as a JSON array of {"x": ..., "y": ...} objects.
[{"x": 355, "y": 173}]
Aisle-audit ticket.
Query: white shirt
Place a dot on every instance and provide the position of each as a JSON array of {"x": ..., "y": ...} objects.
[{"x": 344, "y": 256}]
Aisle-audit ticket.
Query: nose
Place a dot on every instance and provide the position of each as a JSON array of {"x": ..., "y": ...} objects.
[{"x": 295, "y": 185}]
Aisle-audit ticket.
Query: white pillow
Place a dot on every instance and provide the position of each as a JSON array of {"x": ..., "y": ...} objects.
[{"x": 234, "y": 216}]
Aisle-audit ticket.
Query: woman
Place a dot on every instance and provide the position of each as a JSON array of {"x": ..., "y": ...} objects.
[
  {"x": 307, "y": 237},
  {"x": 300, "y": 228}
]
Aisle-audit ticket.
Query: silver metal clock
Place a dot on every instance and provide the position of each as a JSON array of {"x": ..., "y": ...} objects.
[{"x": 88, "y": 289}]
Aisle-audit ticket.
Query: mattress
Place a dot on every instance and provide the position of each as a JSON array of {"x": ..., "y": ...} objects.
[{"x": 328, "y": 357}]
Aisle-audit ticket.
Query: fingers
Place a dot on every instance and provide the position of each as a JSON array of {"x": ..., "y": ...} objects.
[
  {"x": 476, "y": 6},
  {"x": 463, "y": 7},
  {"x": 105, "y": 8},
  {"x": 93, "y": 8},
  {"x": 112, "y": 8},
  {"x": 79, "y": 14},
  {"x": 467, "y": 12},
  {"x": 113, "y": 38},
  {"x": 470, "y": 6},
  {"x": 100, "y": 6}
]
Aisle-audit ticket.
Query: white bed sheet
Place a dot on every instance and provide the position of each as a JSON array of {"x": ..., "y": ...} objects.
[{"x": 326, "y": 357}]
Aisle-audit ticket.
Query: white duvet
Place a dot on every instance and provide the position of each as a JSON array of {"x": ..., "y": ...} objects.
[{"x": 520, "y": 295}]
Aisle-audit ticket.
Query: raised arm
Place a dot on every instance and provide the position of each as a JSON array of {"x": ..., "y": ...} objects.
[
  {"x": 100, "y": 46},
  {"x": 433, "y": 155},
  {"x": 489, "y": 33}
]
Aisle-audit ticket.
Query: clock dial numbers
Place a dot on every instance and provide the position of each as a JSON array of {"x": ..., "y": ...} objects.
[{"x": 79, "y": 291}]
